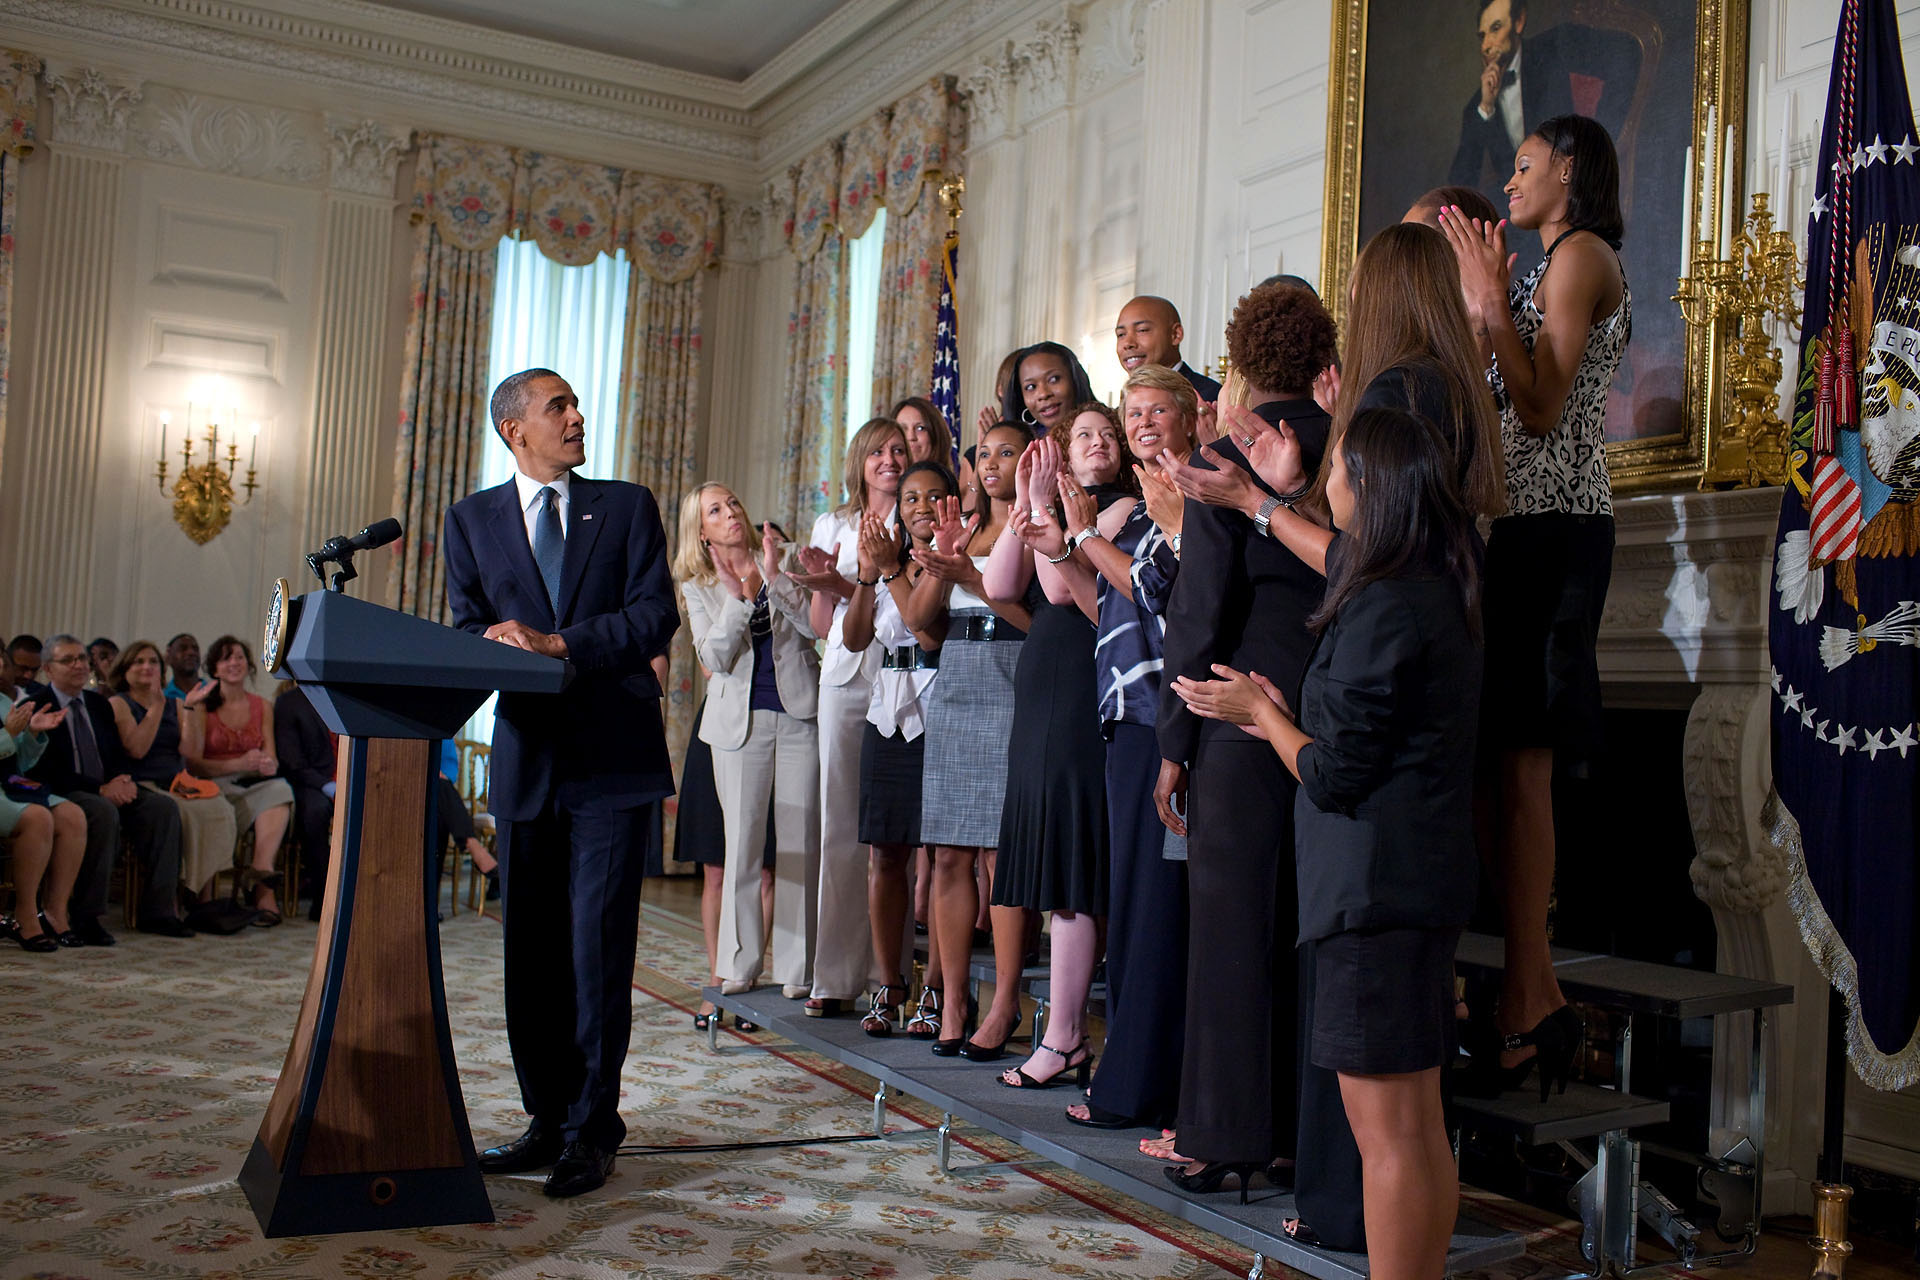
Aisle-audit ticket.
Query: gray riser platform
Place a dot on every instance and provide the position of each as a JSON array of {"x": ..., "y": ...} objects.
[
  {"x": 1583, "y": 1111},
  {"x": 1635, "y": 986},
  {"x": 1035, "y": 1120}
]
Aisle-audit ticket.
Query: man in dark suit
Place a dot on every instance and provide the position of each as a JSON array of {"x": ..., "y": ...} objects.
[
  {"x": 1565, "y": 69},
  {"x": 576, "y": 569},
  {"x": 308, "y": 753},
  {"x": 85, "y": 764},
  {"x": 1148, "y": 332}
]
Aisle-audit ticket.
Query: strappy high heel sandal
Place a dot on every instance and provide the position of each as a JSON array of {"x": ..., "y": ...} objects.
[
  {"x": 925, "y": 1022},
  {"x": 1208, "y": 1180},
  {"x": 883, "y": 1012},
  {"x": 1077, "y": 1062}
]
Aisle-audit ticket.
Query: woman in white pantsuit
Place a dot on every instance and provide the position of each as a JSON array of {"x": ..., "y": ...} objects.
[
  {"x": 750, "y": 629},
  {"x": 843, "y": 951}
]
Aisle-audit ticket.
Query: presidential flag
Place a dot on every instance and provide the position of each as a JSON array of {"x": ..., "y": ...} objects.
[
  {"x": 946, "y": 348},
  {"x": 1845, "y": 632}
]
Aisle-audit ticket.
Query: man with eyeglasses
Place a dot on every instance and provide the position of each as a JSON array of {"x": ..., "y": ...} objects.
[{"x": 84, "y": 763}]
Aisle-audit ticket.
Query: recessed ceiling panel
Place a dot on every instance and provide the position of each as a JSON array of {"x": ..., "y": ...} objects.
[{"x": 727, "y": 38}]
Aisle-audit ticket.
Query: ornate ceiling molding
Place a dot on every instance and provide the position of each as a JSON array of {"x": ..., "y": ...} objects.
[
  {"x": 365, "y": 155},
  {"x": 91, "y": 105},
  {"x": 227, "y": 137}
]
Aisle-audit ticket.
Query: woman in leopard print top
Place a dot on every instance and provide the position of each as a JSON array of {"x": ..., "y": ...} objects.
[{"x": 1557, "y": 336}]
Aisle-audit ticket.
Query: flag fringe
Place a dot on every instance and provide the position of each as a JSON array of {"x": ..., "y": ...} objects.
[{"x": 1886, "y": 1072}]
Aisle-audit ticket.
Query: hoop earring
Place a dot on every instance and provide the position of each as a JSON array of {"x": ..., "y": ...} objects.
[{"x": 1026, "y": 416}]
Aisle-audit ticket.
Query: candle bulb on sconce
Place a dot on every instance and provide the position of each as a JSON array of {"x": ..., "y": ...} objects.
[{"x": 203, "y": 495}]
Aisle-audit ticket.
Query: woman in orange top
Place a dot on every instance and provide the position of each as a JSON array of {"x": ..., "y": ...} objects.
[{"x": 228, "y": 737}]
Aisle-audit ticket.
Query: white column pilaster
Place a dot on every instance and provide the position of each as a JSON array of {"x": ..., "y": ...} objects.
[
  {"x": 50, "y": 511},
  {"x": 1172, "y": 151}
]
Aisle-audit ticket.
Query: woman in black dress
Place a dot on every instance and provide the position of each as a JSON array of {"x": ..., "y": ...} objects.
[{"x": 1053, "y": 827}]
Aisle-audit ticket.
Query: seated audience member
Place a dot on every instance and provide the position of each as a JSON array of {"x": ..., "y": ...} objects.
[
  {"x": 101, "y": 655},
  {"x": 84, "y": 763},
  {"x": 309, "y": 758},
  {"x": 48, "y": 836},
  {"x": 148, "y": 724},
  {"x": 183, "y": 660},
  {"x": 456, "y": 823},
  {"x": 229, "y": 738},
  {"x": 23, "y": 655},
  {"x": 1148, "y": 332}
]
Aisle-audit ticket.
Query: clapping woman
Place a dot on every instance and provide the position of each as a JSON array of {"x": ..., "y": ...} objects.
[
  {"x": 893, "y": 757},
  {"x": 228, "y": 736},
  {"x": 749, "y": 626},
  {"x": 48, "y": 835},
  {"x": 1383, "y": 747},
  {"x": 149, "y": 723}
]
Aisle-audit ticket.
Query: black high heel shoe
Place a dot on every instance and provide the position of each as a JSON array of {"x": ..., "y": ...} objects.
[
  {"x": 61, "y": 937},
  {"x": 955, "y": 1047},
  {"x": 1556, "y": 1039},
  {"x": 40, "y": 943},
  {"x": 1079, "y": 1064},
  {"x": 990, "y": 1052},
  {"x": 1208, "y": 1180}
]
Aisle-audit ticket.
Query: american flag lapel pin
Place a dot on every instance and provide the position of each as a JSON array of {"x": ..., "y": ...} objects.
[{"x": 586, "y": 515}]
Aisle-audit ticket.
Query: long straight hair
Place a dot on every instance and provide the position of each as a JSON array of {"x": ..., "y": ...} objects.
[
  {"x": 1407, "y": 310},
  {"x": 1409, "y": 520},
  {"x": 853, "y": 472},
  {"x": 1013, "y": 405}
]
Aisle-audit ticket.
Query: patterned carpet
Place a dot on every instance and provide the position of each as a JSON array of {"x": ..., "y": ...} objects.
[{"x": 132, "y": 1082}]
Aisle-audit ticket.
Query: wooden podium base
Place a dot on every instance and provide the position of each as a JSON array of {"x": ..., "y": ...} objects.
[{"x": 367, "y": 1129}]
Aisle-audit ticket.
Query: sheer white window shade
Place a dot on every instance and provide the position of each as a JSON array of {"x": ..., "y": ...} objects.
[
  {"x": 573, "y": 320},
  {"x": 863, "y": 320}
]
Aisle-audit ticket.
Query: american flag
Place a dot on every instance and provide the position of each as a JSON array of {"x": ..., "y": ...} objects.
[{"x": 946, "y": 350}]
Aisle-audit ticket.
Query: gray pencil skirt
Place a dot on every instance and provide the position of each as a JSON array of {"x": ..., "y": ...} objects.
[{"x": 969, "y": 716}]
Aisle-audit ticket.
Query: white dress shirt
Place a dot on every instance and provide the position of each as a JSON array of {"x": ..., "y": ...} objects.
[
  {"x": 896, "y": 694},
  {"x": 1507, "y": 103},
  {"x": 530, "y": 499}
]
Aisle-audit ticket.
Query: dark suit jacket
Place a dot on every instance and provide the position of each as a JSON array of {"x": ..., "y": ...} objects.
[
  {"x": 1206, "y": 388},
  {"x": 1384, "y": 818},
  {"x": 56, "y": 767},
  {"x": 1548, "y": 64},
  {"x": 1241, "y": 598},
  {"x": 601, "y": 740},
  {"x": 305, "y": 749}
]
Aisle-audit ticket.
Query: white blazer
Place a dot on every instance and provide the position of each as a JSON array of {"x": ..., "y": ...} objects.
[{"x": 718, "y": 622}]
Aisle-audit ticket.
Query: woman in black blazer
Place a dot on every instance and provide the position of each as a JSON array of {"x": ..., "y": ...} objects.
[{"x": 1383, "y": 749}]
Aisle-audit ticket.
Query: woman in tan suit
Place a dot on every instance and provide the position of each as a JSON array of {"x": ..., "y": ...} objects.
[{"x": 750, "y": 629}]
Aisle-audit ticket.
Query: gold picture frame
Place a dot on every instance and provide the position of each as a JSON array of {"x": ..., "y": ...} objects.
[{"x": 1663, "y": 460}]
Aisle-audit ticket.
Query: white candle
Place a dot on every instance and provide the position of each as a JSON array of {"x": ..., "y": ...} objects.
[
  {"x": 1729, "y": 179},
  {"x": 1710, "y": 181},
  {"x": 1686, "y": 216},
  {"x": 1757, "y": 129},
  {"x": 164, "y": 416}
]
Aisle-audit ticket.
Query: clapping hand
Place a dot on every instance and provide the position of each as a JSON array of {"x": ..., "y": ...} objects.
[
  {"x": 1234, "y": 697},
  {"x": 1206, "y": 424},
  {"x": 989, "y": 415},
  {"x": 951, "y": 532},
  {"x": 1166, "y": 506},
  {"x": 819, "y": 571},
  {"x": 1042, "y": 535},
  {"x": 879, "y": 548},
  {"x": 1273, "y": 450},
  {"x": 1486, "y": 267},
  {"x": 1326, "y": 388},
  {"x": 44, "y": 719},
  {"x": 1045, "y": 479},
  {"x": 770, "y": 548},
  {"x": 197, "y": 695},
  {"x": 1081, "y": 511},
  {"x": 729, "y": 580}
]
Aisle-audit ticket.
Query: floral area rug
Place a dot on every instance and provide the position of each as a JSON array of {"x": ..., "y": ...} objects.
[{"x": 133, "y": 1080}]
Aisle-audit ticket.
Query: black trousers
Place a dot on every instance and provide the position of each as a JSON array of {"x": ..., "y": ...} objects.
[
  {"x": 456, "y": 824},
  {"x": 313, "y": 815},
  {"x": 1326, "y": 1175},
  {"x": 151, "y": 823},
  {"x": 570, "y": 909},
  {"x": 1239, "y": 1096},
  {"x": 1139, "y": 1074}
]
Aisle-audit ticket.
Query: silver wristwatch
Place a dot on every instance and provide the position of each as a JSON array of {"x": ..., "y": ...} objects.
[
  {"x": 1091, "y": 531},
  {"x": 1264, "y": 516}
]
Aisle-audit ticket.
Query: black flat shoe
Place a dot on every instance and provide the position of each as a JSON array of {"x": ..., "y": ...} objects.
[
  {"x": 1208, "y": 1180},
  {"x": 537, "y": 1148},
  {"x": 1098, "y": 1118},
  {"x": 582, "y": 1167},
  {"x": 39, "y": 943}
]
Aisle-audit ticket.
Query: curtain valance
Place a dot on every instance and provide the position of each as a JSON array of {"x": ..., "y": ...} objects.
[
  {"x": 476, "y": 192},
  {"x": 18, "y": 102},
  {"x": 880, "y": 162}
]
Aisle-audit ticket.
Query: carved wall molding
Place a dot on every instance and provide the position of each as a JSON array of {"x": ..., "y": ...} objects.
[
  {"x": 1725, "y": 775},
  {"x": 747, "y": 230},
  {"x": 234, "y": 138},
  {"x": 1114, "y": 44},
  {"x": 988, "y": 89},
  {"x": 365, "y": 155},
  {"x": 1043, "y": 68},
  {"x": 91, "y": 105}
]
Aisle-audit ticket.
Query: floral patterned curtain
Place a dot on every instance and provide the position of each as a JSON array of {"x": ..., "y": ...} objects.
[
  {"x": 816, "y": 340},
  {"x": 466, "y": 196},
  {"x": 924, "y": 145},
  {"x": 17, "y": 137}
]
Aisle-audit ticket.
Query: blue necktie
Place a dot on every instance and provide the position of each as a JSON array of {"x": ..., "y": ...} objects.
[{"x": 549, "y": 545}]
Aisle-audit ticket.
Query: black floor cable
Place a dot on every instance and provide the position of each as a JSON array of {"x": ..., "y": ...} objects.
[{"x": 636, "y": 1150}]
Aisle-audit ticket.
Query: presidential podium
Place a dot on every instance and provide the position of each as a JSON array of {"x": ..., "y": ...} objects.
[{"x": 367, "y": 1128}]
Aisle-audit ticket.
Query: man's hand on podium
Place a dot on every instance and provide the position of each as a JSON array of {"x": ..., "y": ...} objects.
[{"x": 521, "y": 636}]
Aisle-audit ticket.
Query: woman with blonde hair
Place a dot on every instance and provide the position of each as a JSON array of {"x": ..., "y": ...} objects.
[
  {"x": 843, "y": 956},
  {"x": 749, "y": 626}
]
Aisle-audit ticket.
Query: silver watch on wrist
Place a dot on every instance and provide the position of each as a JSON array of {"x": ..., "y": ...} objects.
[
  {"x": 1264, "y": 516},
  {"x": 1091, "y": 531}
]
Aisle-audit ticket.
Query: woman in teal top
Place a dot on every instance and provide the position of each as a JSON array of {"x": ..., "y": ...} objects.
[{"x": 53, "y": 835}]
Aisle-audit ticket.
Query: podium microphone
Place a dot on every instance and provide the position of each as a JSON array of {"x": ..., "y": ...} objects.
[{"x": 338, "y": 550}]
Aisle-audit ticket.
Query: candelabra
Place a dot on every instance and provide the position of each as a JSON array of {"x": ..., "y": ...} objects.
[
  {"x": 203, "y": 495},
  {"x": 1732, "y": 299}
]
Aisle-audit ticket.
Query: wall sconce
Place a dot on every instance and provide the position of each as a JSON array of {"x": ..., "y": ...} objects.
[{"x": 203, "y": 499}]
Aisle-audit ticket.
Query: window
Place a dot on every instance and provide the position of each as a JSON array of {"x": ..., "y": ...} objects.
[
  {"x": 863, "y": 320},
  {"x": 573, "y": 320}
]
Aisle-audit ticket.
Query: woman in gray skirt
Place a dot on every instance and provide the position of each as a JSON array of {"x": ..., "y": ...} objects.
[{"x": 969, "y": 713}]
